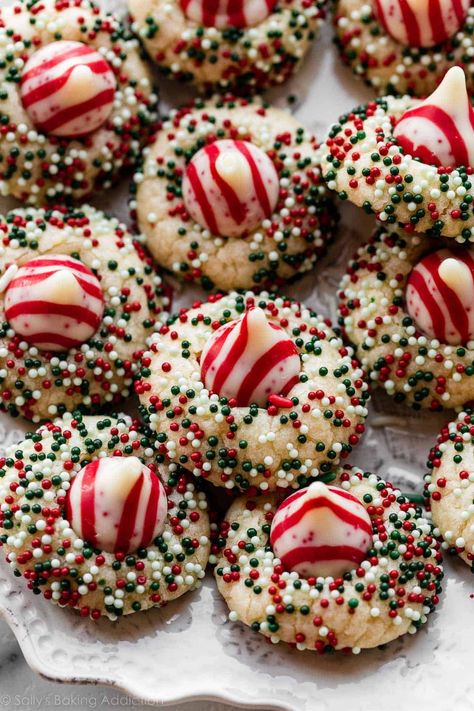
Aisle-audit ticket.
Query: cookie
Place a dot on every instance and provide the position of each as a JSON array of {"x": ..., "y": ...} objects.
[
  {"x": 450, "y": 486},
  {"x": 79, "y": 297},
  {"x": 93, "y": 523},
  {"x": 346, "y": 567},
  {"x": 409, "y": 162},
  {"x": 231, "y": 196},
  {"x": 248, "y": 44},
  {"x": 405, "y": 303},
  {"x": 76, "y": 101},
  {"x": 404, "y": 47},
  {"x": 223, "y": 389}
]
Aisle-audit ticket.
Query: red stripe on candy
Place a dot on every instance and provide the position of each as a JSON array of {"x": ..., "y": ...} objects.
[
  {"x": 49, "y": 88},
  {"x": 381, "y": 16},
  {"x": 345, "y": 495},
  {"x": 459, "y": 11},
  {"x": 226, "y": 13},
  {"x": 411, "y": 24},
  {"x": 456, "y": 310},
  {"x": 215, "y": 349},
  {"x": 89, "y": 288},
  {"x": 290, "y": 384},
  {"x": 202, "y": 199},
  {"x": 437, "y": 316},
  {"x": 259, "y": 186},
  {"x": 151, "y": 511},
  {"x": 447, "y": 126},
  {"x": 438, "y": 29},
  {"x": 73, "y": 112},
  {"x": 29, "y": 280},
  {"x": 53, "y": 62},
  {"x": 235, "y": 352},
  {"x": 236, "y": 14},
  {"x": 269, "y": 360},
  {"x": 237, "y": 208},
  {"x": 73, "y": 264},
  {"x": 316, "y": 554},
  {"x": 129, "y": 513},
  {"x": 321, "y": 502},
  {"x": 46, "y": 338},
  {"x": 209, "y": 11},
  {"x": 87, "y": 484},
  {"x": 78, "y": 313}
]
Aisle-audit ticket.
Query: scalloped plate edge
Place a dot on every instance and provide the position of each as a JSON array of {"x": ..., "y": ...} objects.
[{"x": 33, "y": 661}]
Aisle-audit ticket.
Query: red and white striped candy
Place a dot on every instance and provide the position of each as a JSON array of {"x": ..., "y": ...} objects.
[
  {"x": 440, "y": 130},
  {"x": 230, "y": 187},
  {"x": 421, "y": 23},
  {"x": 54, "y": 302},
  {"x": 249, "y": 360},
  {"x": 67, "y": 89},
  {"x": 117, "y": 504},
  {"x": 227, "y": 13},
  {"x": 320, "y": 531},
  {"x": 440, "y": 296}
]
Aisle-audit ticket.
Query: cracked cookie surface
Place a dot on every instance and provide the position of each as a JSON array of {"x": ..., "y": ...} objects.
[
  {"x": 389, "y": 594},
  {"x": 283, "y": 245}
]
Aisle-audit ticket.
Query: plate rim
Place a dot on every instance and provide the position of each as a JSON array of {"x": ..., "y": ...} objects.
[{"x": 31, "y": 657}]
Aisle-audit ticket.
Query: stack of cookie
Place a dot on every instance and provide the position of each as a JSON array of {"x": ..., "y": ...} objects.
[{"x": 247, "y": 395}]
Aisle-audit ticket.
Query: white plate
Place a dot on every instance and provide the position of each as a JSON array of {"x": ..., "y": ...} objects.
[{"x": 190, "y": 651}]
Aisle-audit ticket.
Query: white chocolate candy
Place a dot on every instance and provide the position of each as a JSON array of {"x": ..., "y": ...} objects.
[
  {"x": 321, "y": 531},
  {"x": 457, "y": 275},
  {"x": 54, "y": 302},
  {"x": 117, "y": 504},
  {"x": 440, "y": 296},
  {"x": 7, "y": 276},
  {"x": 440, "y": 130},
  {"x": 61, "y": 287},
  {"x": 67, "y": 89},
  {"x": 230, "y": 187},
  {"x": 232, "y": 167},
  {"x": 421, "y": 23},
  {"x": 227, "y": 13},
  {"x": 249, "y": 360}
]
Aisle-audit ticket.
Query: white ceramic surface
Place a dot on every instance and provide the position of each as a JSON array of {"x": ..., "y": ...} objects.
[{"x": 190, "y": 650}]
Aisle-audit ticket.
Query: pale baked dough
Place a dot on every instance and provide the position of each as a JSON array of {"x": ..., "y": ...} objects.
[
  {"x": 104, "y": 245},
  {"x": 247, "y": 447},
  {"x": 320, "y": 614},
  {"x": 390, "y": 67},
  {"x": 94, "y": 437},
  {"x": 362, "y": 162},
  {"x": 450, "y": 485},
  {"x": 272, "y": 253},
  {"x": 373, "y": 314},
  {"x": 45, "y": 169},
  {"x": 252, "y": 58}
]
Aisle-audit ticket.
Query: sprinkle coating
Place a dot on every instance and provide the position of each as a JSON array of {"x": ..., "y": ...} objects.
[
  {"x": 391, "y": 593},
  {"x": 40, "y": 384},
  {"x": 285, "y": 245},
  {"x": 294, "y": 439},
  {"x": 362, "y": 162},
  {"x": 39, "y": 543},
  {"x": 390, "y": 67},
  {"x": 449, "y": 485},
  {"x": 410, "y": 366},
  {"x": 36, "y": 167},
  {"x": 250, "y": 58}
]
